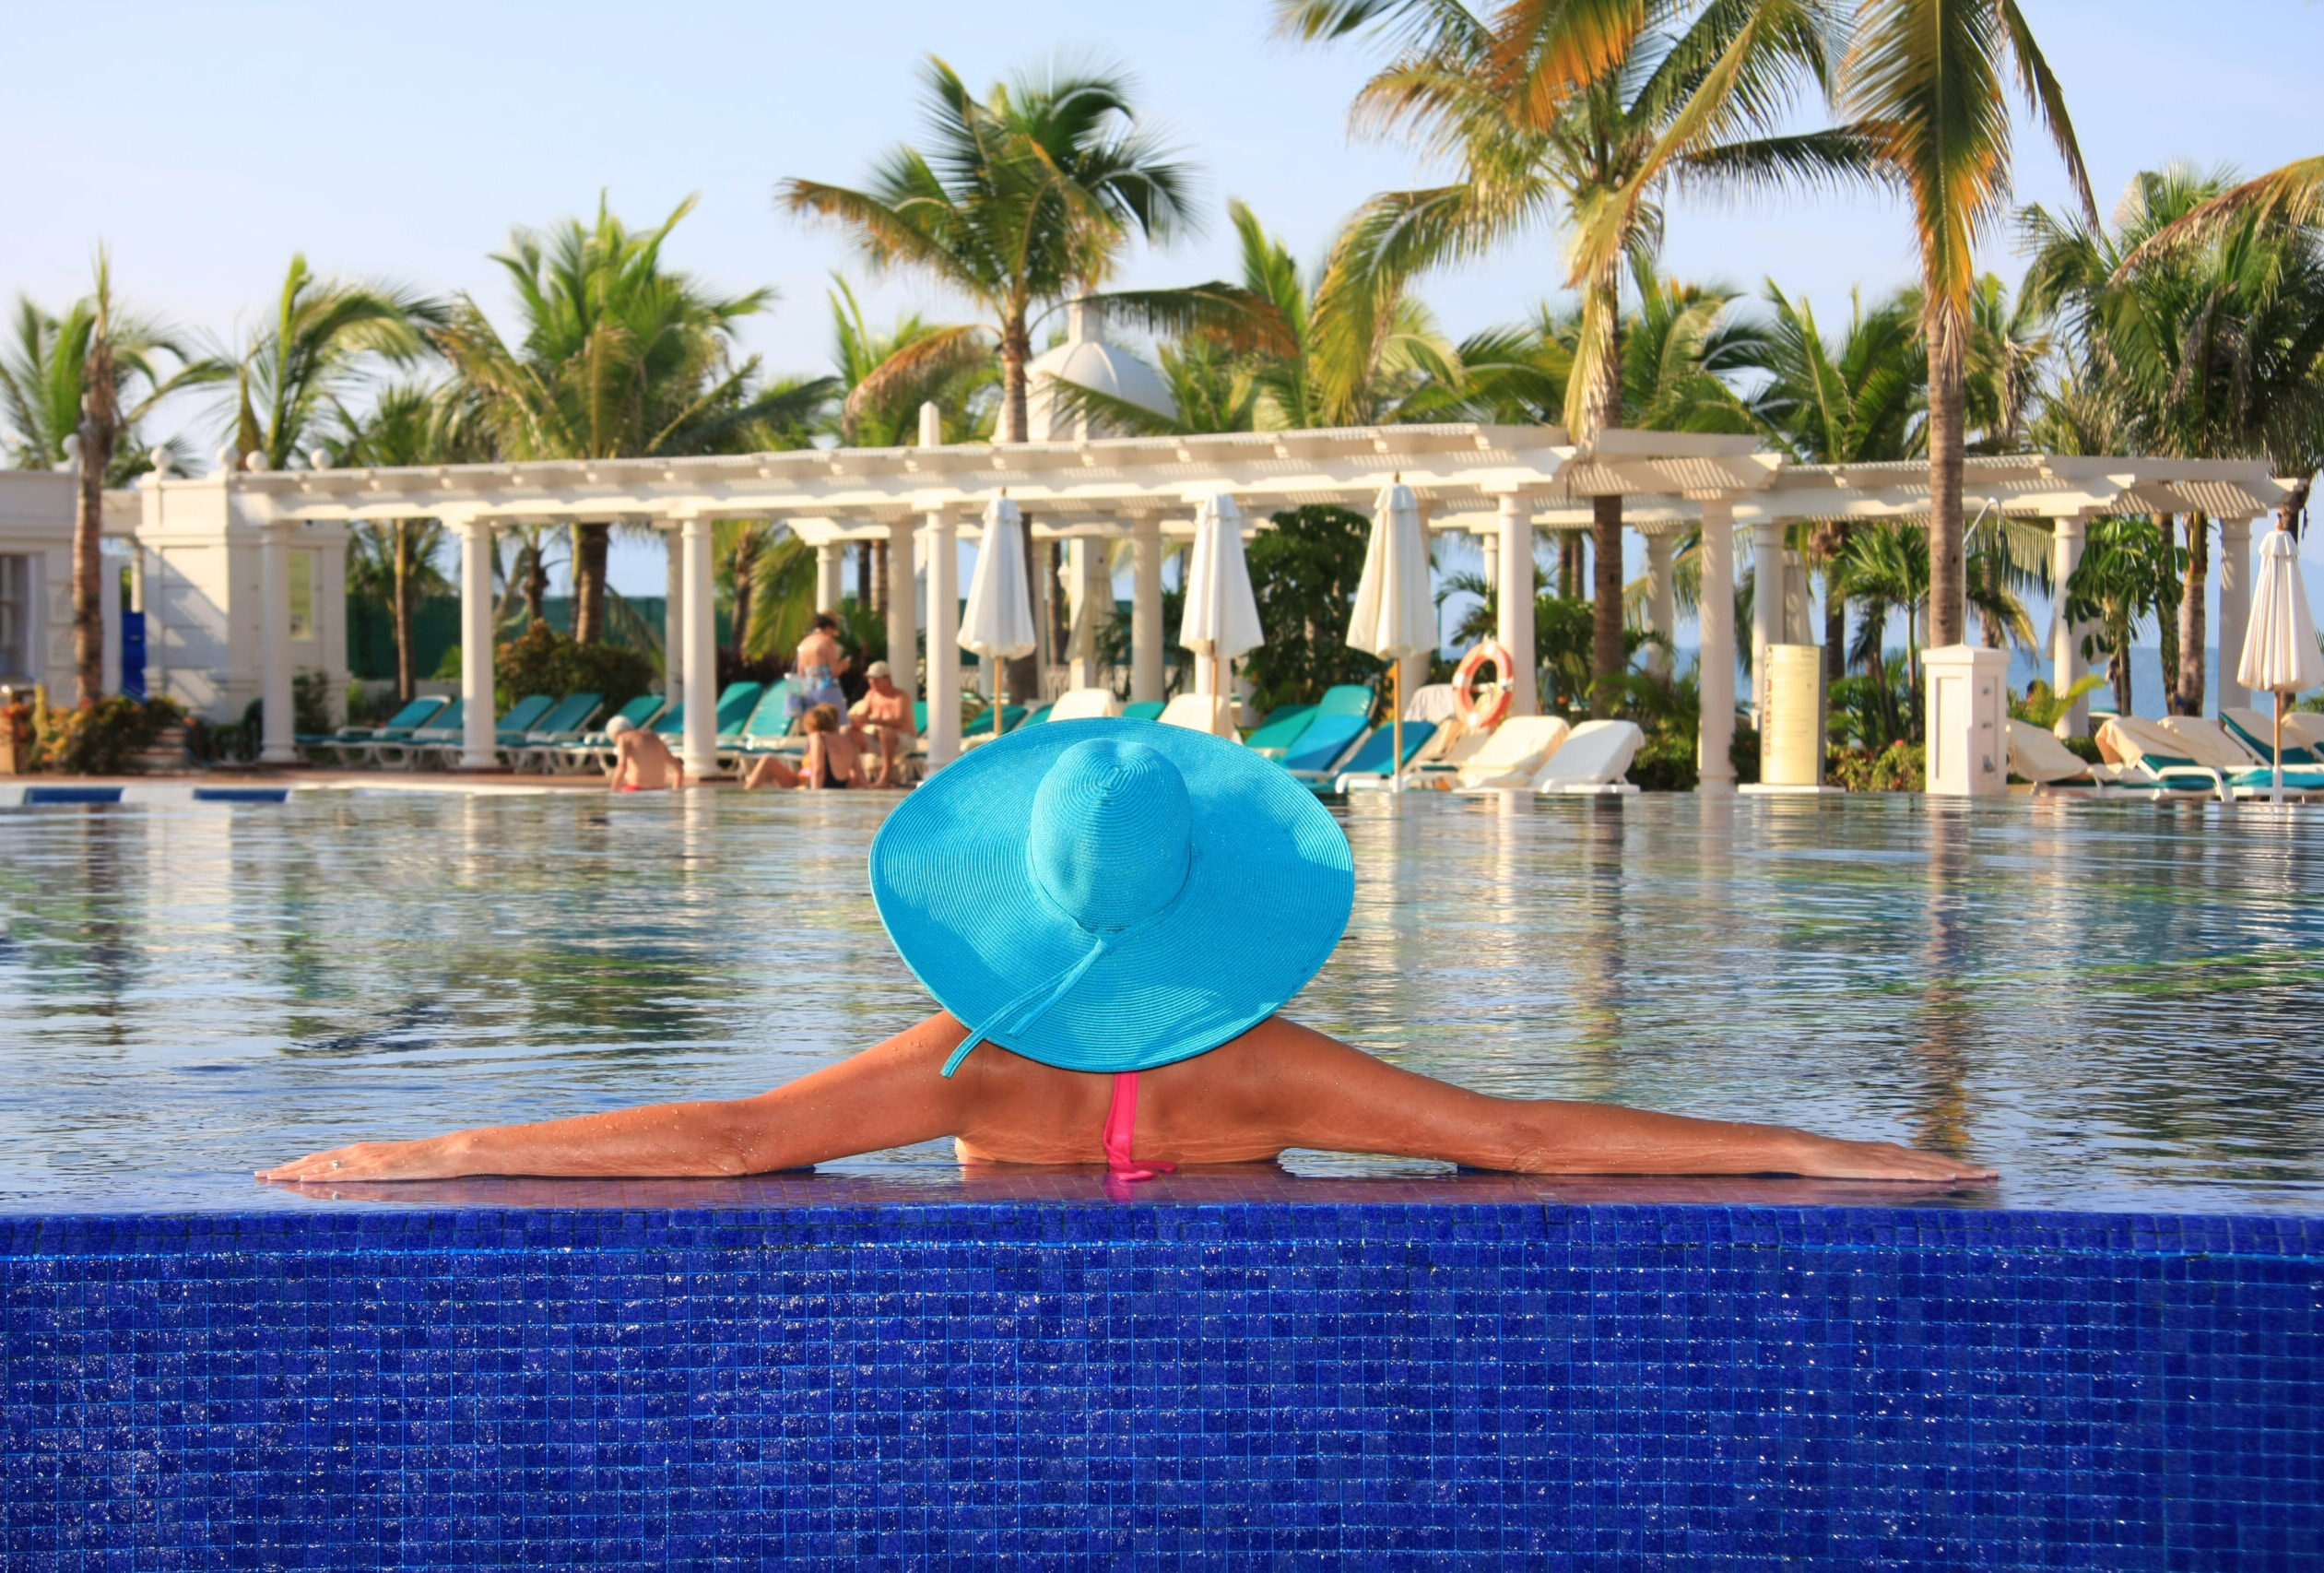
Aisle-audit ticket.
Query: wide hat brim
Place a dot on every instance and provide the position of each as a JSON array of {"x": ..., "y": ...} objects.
[{"x": 1267, "y": 896}]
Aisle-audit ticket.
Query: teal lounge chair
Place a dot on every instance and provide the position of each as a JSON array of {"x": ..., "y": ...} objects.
[
  {"x": 525, "y": 714},
  {"x": 1348, "y": 699},
  {"x": 347, "y": 742},
  {"x": 1036, "y": 718},
  {"x": 537, "y": 751},
  {"x": 1370, "y": 763},
  {"x": 592, "y": 748},
  {"x": 522, "y": 716},
  {"x": 1326, "y": 741},
  {"x": 1144, "y": 710},
  {"x": 2256, "y": 731},
  {"x": 769, "y": 730},
  {"x": 443, "y": 728},
  {"x": 1275, "y": 736},
  {"x": 980, "y": 730}
]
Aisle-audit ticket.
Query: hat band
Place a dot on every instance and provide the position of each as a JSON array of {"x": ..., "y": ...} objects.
[{"x": 1057, "y": 989}]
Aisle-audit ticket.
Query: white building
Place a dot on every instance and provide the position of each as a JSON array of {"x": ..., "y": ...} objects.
[{"x": 201, "y": 558}]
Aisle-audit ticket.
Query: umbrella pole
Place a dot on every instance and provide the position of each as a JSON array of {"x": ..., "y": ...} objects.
[
  {"x": 2277, "y": 796},
  {"x": 1396, "y": 727}
]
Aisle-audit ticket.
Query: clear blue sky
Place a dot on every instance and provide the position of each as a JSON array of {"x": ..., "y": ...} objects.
[{"x": 403, "y": 141}]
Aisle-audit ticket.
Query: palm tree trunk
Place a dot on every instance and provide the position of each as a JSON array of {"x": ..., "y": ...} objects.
[
  {"x": 1836, "y": 630},
  {"x": 746, "y": 573},
  {"x": 536, "y": 582},
  {"x": 1944, "y": 330},
  {"x": 401, "y": 560},
  {"x": 2119, "y": 663},
  {"x": 88, "y": 558},
  {"x": 1016, "y": 348},
  {"x": 2189, "y": 699},
  {"x": 1022, "y": 674},
  {"x": 589, "y": 582},
  {"x": 1606, "y": 657},
  {"x": 2288, "y": 512},
  {"x": 1605, "y": 544}
]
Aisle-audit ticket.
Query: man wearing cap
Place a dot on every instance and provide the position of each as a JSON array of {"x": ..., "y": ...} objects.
[
  {"x": 641, "y": 761},
  {"x": 885, "y": 714}
]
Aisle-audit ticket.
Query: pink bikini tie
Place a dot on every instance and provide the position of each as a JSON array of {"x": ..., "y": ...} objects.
[{"x": 1121, "y": 1124}]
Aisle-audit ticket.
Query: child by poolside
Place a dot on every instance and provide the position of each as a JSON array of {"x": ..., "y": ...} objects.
[
  {"x": 1112, "y": 916},
  {"x": 641, "y": 761}
]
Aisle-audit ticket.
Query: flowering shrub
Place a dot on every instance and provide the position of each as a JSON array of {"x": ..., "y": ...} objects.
[
  {"x": 1901, "y": 767},
  {"x": 98, "y": 737}
]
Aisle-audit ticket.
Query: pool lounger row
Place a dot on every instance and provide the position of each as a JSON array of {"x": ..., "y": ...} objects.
[{"x": 2179, "y": 754}]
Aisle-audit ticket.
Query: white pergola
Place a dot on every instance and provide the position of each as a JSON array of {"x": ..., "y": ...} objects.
[{"x": 1501, "y": 481}]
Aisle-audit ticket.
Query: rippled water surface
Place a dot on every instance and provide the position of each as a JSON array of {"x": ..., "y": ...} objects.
[{"x": 2117, "y": 1005}]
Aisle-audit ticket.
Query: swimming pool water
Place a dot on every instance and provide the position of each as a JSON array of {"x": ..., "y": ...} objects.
[{"x": 2117, "y": 1005}]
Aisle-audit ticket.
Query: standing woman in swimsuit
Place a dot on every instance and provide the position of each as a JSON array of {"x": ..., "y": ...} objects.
[
  {"x": 834, "y": 759},
  {"x": 1111, "y": 914}
]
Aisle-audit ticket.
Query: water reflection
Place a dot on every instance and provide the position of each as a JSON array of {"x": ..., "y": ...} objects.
[{"x": 2117, "y": 1005}]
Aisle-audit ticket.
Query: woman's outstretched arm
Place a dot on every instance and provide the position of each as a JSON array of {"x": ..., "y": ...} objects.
[
  {"x": 890, "y": 1096},
  {"x": 1328, "y": 1095}
]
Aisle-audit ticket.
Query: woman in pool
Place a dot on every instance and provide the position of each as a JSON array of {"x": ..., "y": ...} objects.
[{"x": 1111, "y": 914}]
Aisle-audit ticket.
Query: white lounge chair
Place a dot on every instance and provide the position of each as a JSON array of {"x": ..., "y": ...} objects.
[
  {"x": 2037, "y": 755},
  {"x": 1212, "y": 712},
  {"x": 1085, "y": 704},
  {"x": 1513, "y": 755},
  {"x": 2148, "y": 755},
  {"x": 2246, "y": 771},
  {"x": 1431, "y": 702},
  {"x": 2256, "y": 730},
  {"x": 1591, "y": 760}
]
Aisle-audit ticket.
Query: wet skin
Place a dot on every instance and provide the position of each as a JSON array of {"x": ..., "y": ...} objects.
[{"x": 1279, "y": 1086}]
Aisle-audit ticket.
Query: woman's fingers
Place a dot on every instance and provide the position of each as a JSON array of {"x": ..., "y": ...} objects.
[
  {"x": 365, "y": 1160},
  {"x": 1885, "y": 1160}
]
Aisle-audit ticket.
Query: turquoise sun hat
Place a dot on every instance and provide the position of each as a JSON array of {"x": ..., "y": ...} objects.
[{"x": 1111, "y": 894}]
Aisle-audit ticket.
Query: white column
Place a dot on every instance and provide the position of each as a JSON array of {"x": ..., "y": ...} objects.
[
  {"x": 1082, "y": 557},
  {"x": 830, "y": 576},
  {"x": 278, "y": 745},
  {"x": 903, "y": 612},
  {"x": 1768, "y": 590},
  {"x": 673, "y": 618},
  {"x": 2235, "y": 610},
  {"x": 1146, "y": 611},
  {"x": 1716, "y": 674},
  {"x": 2065, "y": 667},
  {"x": 1662, "y": 604},
  {"x": 1513, "y": 551},
  {"x": 477, "y": 716},
  {"x": 700, "y": 754},
  {"x": 944, "y": 639}
]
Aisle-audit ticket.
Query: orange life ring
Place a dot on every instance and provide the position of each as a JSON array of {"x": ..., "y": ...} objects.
[{"x": 1496, "y": 703}]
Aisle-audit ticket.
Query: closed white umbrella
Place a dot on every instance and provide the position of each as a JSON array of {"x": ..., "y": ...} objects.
[
  {"x": 997, "y": 622},
  {"x": 1395, "y": 614},
  {"x": 2280, "y": 655},
  {"x": 1221, "y": 617}
]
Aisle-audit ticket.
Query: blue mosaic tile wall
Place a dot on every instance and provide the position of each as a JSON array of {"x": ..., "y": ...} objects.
[{"x": 1151, "y": 1385}]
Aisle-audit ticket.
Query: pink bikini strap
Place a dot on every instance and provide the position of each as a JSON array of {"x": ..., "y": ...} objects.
[{"x": 1120, "y": 1125}]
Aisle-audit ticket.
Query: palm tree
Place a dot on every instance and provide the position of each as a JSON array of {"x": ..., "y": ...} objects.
[
  {"x": 2212, "y": 348},
  {"x": 291, "y": 372},
  {"x": 1027, "y": 198},
  {"x": 1855, "y": 399},
  {"x": 41, "y": 373},
  {"x": 71, "y": 380},
  {"x": 620, "y": 357},
  {"x": 1249, "y": 356},
  {"x": 407, "y": 423},
  {"x": 2129, "y": 570},
  {"x": 1924, "y": 82},
  {"x": 885, "y": 377},
  {"x": 1585, "y": 111}
]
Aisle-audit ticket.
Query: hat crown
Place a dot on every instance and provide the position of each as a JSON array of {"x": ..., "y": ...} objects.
[{"x": 1112, "y": 835}]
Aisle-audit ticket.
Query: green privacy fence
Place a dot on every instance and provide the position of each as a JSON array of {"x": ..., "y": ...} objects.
[{"x": 370, "y": 631}]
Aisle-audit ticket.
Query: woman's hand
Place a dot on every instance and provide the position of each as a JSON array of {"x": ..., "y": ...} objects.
[
  {"x": 1824, "y": 1157},
  {"x": 434, "y": 1158}
]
